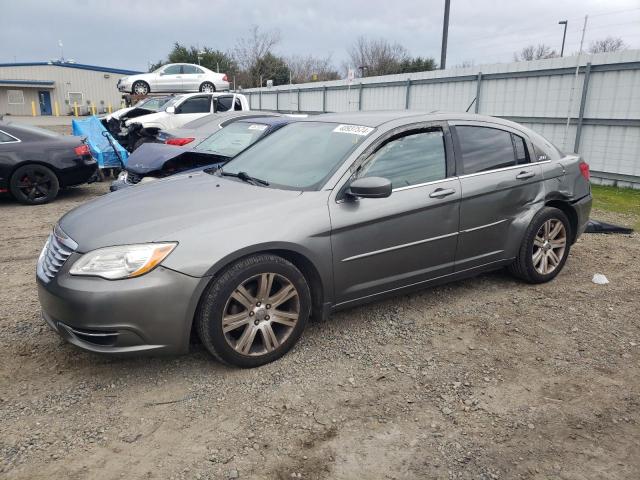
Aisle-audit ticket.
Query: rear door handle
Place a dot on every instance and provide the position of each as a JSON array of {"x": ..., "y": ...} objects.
[
  {"x": 442, "y": 192},
  {"x": 525, "y": 174}
]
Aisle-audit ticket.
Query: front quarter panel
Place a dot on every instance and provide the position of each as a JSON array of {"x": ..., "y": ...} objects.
[{"x": 299, "y": 225}]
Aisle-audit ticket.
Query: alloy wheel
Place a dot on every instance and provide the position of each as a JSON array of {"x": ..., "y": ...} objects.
[
  {"x": 260, "y": 314},
  {"x": 549, "y": 246},
  {"x": 207, "y": 88},
  {"x": 35, "y": 184}
]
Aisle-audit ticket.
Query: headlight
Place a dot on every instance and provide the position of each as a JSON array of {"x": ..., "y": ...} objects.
[
  {"x": 125, "y": 261},
  {"x": 122, "y": 176}
]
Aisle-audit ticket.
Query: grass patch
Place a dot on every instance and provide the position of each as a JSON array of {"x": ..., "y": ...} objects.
[{"x": 619, "y": 200}]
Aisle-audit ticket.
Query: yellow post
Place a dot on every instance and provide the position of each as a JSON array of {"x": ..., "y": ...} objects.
[
  {"x": 75, "y": 108},
  {"x": 56, "y": 108},
  {"x": 109, "y": 109},
  {"x": 93, "y": 109},
  {"x": 122, "y": 105},
  {"x": 33, "y": 108}
]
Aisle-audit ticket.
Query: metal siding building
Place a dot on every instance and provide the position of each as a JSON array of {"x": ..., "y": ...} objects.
[
  {"x": 64, "y": 83},
  {"x": 603, "y": 99}
]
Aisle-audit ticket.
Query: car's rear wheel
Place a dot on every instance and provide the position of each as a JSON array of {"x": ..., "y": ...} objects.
[
  {"x": 255, "y": 311},
  {"x": 140, "y": 88},
  {"x": 34, "y": 184},
  {"x": 207, "y": 87},
  {"x": 545, "y": 247}
]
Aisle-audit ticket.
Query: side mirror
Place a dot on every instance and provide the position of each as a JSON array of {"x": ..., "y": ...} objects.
[
  {"x": 171, "y": 109},
  {"x": 370, "y": 187}
]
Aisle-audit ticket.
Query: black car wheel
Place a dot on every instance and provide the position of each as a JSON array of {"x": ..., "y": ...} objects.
[
  {"x": 140, "y": 88},
  {"x": 545, "y": 247},
  {"x": 255, "y": 311},
  {"x": 207, "y": 87},
  {"x": 34, "y": 184}
]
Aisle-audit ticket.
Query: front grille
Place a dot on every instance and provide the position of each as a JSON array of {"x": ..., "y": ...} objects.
[
  {"x": 133, "y": 178},
  {"x": 55, "y": 252}
]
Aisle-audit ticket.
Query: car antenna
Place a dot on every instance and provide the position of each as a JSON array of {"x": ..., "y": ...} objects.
[{"x": 472, "y": 102}]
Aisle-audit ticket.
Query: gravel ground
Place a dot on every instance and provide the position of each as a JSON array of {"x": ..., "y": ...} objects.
[{"x": 481, "y": 379}]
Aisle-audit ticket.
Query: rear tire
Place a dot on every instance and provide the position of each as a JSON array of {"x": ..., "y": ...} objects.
[
  {"x": 140, "y": 88},
  {"x": 34, "y": 184},
  {"x": 545, "y": 247},
  {"x": 255, "y": 311},
  {"x": 207, "y": 87}
]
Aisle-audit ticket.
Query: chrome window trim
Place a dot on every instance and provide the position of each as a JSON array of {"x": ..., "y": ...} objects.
[
  {"x": 505, "y": 169},
  {"x": 418, "y": 185},
  {"x": 15, "y": 139}
]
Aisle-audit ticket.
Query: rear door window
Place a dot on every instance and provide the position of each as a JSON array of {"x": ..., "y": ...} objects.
[
  {"x": 224, "y": 103},
  {"x": 486, "y": 148},
  {"x": 6, "y": 138},
  {"x": 191, "y": 69}
]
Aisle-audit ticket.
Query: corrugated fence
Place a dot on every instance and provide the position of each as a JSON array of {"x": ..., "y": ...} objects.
[{"x": 602, "y": 102}]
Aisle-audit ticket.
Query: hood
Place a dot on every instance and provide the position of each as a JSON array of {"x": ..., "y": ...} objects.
[
  {"x": 155, "y": 117},
  {"x": 159, "y": 210},
  {"x": 150, "y": 157}
]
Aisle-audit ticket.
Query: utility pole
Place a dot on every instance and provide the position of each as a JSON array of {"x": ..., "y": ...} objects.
[
  {"x": 564, "y": 35},
  {"x": 445, "y": 35},
  {"x": 573, "y": 86}
]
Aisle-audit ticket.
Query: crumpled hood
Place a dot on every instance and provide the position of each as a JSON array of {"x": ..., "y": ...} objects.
[
  {"x": 157, "y": 117},
  {"x": 159, "y": 210},
  {"x": 150, "y": 157}
]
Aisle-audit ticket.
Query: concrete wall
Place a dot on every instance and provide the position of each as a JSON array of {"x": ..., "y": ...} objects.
[
  {"x": 604, "y": 110},
  {"x": 95, "y": 86}
]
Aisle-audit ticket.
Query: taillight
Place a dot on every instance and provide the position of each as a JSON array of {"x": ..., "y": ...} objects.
[
  {"x": 82, "y": 150},
  {"x": 179, "y": 141},
  {"x": 224, "y": 78},
  {"x": 584, "y": 170}
]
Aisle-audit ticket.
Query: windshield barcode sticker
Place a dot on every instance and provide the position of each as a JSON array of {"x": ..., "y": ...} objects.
[
  {"x": 353, "y": 129},
  {"x": 257, "y": 127}
]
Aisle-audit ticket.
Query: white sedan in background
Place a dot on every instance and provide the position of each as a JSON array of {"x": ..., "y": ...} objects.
[{"x": 175, "y": 77}]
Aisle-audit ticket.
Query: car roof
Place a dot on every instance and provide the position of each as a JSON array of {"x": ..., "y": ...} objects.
[
  {"x": 271, "y": 121},
  {"x": 378, "y": 118}
]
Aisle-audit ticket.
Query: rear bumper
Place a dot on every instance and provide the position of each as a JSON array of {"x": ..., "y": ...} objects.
[
  {"x": 583, "y": 210},
  {"x": 79, "y": 174},
  {"x": 152, "y": 313}
]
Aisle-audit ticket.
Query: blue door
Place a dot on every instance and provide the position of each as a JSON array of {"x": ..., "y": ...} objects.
[{"x": 45, "y": 102}]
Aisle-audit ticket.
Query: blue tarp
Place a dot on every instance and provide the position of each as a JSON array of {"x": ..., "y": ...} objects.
[{"x": 101, "y": 149}]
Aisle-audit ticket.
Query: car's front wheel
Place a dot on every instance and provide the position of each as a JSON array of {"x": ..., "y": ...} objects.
[
  {"x": 255, "y": 311},
  {"x": 545, "y": 247},
  {"x": 140, "y": 88},
  {"x": 34, "y": 184}
]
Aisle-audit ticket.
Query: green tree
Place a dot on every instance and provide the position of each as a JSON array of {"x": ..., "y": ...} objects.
[
  {"x": 270, "y": 67},
  {"x": 417, "y": 64}
]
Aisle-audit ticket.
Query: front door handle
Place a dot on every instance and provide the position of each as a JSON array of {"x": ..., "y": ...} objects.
[
  {"x": 442, "y": 192},
  {"x": 525, "y": 174}
]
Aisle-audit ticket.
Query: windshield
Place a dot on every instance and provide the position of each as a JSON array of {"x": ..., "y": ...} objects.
[
  {"x": 300, "y": 155},
  {"x": 232, "y": 139},
  {"x": 172, "y": 101},
  {"x": 154, "y": 103}
]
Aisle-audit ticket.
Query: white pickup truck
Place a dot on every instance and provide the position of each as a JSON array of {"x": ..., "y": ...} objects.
[{"x": 178, "y": 111}]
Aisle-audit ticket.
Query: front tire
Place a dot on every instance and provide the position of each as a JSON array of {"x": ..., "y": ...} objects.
[
  {"x": 207, "y": 87},
  {"x": 545, "y": 247},
  {"x": 34, "y": 184},
  {"x": 255, "y": 311},
  {"x": 140, "y": 88}
]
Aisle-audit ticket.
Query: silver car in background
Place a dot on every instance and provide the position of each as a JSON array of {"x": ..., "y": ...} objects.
[
  {"x": 175, "y": 77},
  {"x": 326, "y": 213}
]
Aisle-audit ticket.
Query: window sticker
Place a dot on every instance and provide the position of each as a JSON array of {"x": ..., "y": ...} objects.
[
  {"x": 257, "y": 126},
  {"x": 353, "y": 129}
]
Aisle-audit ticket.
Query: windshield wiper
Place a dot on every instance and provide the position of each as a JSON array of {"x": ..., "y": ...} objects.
[{"x": 245, "y": 177}]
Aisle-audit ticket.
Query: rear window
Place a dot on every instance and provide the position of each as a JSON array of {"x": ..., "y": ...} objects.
[{"x": 34, "y": 130}]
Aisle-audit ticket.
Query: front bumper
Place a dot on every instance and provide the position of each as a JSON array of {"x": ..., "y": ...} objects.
[{"x": 151, "y": 313}]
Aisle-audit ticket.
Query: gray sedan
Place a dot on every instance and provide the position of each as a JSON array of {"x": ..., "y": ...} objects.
[{"x": 326, "y": 213}]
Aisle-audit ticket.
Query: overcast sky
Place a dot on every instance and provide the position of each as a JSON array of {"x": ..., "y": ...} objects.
[{"x": 133, "y": 33}]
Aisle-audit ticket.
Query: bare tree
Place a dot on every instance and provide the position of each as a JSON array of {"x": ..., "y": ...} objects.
[
  {"x": 609, "y": 44},
  {"x": 306, "y": 69},
  {"x": 533, "y": 52},
  {"x": 251, "y": 49},
  {"x": 372, "y": 57}
]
